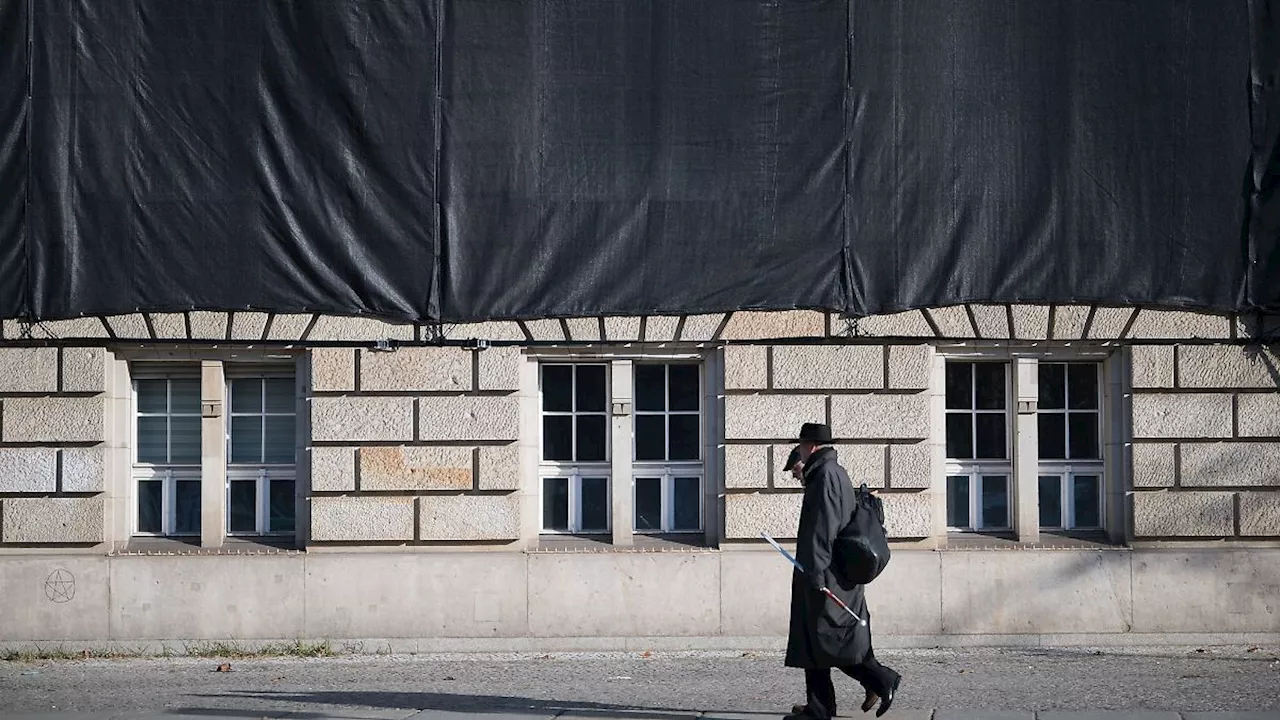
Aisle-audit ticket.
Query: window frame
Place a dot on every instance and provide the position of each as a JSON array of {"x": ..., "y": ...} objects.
[
  {"x": 262, "y": 473},
  {"x": 575, "y": 477},
  {"x": 1066, "y": 412},
  {"x": 169, "y": 474},
  {"x": 1067, "y": 474},
  {"x": 668, "y": 470},
  {"x": 975, "y": 468},
  {"x": 574, "y": 470}
]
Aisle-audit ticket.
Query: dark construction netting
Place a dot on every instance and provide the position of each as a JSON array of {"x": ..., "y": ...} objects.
[{"x": 453, "y": 160}]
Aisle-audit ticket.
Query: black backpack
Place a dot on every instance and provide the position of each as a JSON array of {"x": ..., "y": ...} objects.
[{"x": 862, "y": 547}]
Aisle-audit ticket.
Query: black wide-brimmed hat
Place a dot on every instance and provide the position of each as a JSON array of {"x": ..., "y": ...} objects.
[
  {"x": 792, "y": 459},
  {"x": 816, "y": 433}
]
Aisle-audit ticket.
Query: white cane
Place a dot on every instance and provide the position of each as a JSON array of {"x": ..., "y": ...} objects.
[{"x": 824, "y": 588}]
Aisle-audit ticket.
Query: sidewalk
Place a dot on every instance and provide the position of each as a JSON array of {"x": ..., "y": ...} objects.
[{"x": 1238, "y": 683}]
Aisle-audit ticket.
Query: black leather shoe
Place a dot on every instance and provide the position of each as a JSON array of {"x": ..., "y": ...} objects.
[
  {"x": 887, "y": 700},
  {"x": 800, "y": 712}
]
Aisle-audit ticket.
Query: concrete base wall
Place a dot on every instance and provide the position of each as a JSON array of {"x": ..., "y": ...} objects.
[{"x": 732, "y": 599}]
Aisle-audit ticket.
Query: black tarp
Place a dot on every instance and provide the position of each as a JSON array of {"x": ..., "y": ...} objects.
[{"x": 474, "y": 159}]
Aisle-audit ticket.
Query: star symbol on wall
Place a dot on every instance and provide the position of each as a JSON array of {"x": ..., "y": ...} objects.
[{"x": 60, "y": 586}]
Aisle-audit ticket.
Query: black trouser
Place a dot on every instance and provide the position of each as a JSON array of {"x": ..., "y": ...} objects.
[{"x": 820, "y": 692}]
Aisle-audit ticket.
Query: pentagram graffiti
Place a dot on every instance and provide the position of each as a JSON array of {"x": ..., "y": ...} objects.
[{"x": 60, "y": 586}]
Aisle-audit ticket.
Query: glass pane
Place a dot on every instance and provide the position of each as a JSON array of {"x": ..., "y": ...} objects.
[
  {"x": 1053, "y": 435},
  {"x": 246, "y": 439},
  {"x": 651, "y": 387},
  {"x": 153, "y": 396},
  {"x": 688, "y": 504},
  {"x": 186, "y": 507},
  {"x": 995, "y": 501},
  {"x": 651, "y": 437},
  {"x": 1082, "y": 386},
  {"x": 595, "y": 504},
  {"x": 184, "y": 446},
  {"x": 1084, "y": 436},
  {"x": 557, "y": 388},
  {"x": 591, "y": 389},
  {"x": 244, "y": 502},
  {"x": 685, "y": 439},
  {"x": 153, "y": 440},
  {"x": 959, "y": 386},
  {"x": 648, "y": 503},
  {"x": 282, "y": 506},
  {"x": 150, "y": 499},
  {"x": 279, "y": 430},
  {"x": 683, "y": 391},
  {"x": 557, "y": 437},
  {"x": 1088, "y": 504},
  {"x": 991, "y": 436},
  {"x": 959, "y": 436},
  {"x": 957, "y": 501},
  {"x": 1053, "y": 386},
  {"x": 184, "y": 396},
  {"x": 591, "y": 438},
  {"x": 1050, "y": 501},
  {"x": 989, "y": 380},
  {"x": 246, "y": 396},
  {"x": 279, "y": 394},
  {"x": 555, "y": 504}
]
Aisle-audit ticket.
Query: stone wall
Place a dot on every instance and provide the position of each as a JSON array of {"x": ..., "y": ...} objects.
[
  {"x": 414, "y": 445},
  {"x": 873, "y": 396},
  {"x": 1206, "y": 451},
  {"x": 53, "y": 433}
]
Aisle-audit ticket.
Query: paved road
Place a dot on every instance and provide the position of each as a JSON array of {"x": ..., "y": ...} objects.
[{"x": 939, "y": 685}]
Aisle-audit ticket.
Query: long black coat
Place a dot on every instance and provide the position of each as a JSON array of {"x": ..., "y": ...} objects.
[{"x": 822, "y": 635}]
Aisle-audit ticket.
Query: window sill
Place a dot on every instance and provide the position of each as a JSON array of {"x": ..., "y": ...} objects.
[
  {"x": 191, "y": 546},
  {"x": 962, "y": 541},
  {"x": 604, "y": 544}
]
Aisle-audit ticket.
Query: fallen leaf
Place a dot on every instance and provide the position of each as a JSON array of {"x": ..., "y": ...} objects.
[
  {"x": 646, "y": 654},
  {"x": 449, "y": 678},
  {"x": 1254, "y": 649},
  {"x": 224, "y": 668}
]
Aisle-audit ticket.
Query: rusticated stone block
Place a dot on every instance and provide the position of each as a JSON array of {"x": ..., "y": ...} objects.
[
  {"x": 1230, "y": 464},
  {"x": 1030, "y": 322},
  {"x": 499, "y": 467},
  {"x": 333, "y": 469},
  {"x": 84, "y": 370},
  {"x": 1069, "y": 322},
  {"x": 361, "y": 519},
  {"x": 169, "y": 326},
  {"x": 584, "y": 329},
  {"x": 1182, "y": 514},
  {"x": 417, "y": 368},
  {"x": 828, "y": 367},
  {"x": 53, "y": 419},
  {"x": 1258, "y": 415},
  {"x": 497, "y": 330},
  {"x": 879, "y": 416},
  {"x": 952, "y": 321},
  {"x": 416, "y": 468},
  {"x": 754, "y": 325},
  {"x": 622, "y": 328},
  {"x": 1260, "y": 514},
  {"x": 992, "y": 321},
  {"x": 910, "y": 466},
  {"x": 908, "y": 515},
  {"x": 746, "y": 367},
  {"x": 904, "y": 324},
  {"x": 1152, "y": 366},
  {"x": 28, "y": 470},
  {"x": 746, "y": 515},
  {"x": 1200, "y": 415},
  {"x": 28, "y": 370},
  {"x": 248, "y": 325},
  {"x": 456, "y": 518},
  {"x": 360, "y": 419},
  {"x": 498, "y": 368},
  {"x": 909, "y": 366},
  {"x": 288, "y": 327},
  {"x": 74, "y": 329},
  {"x": 1109, "y": 323},
  {"x": 769, "y": 417},
  {"x": 549, "y": 330},
  {"x": 208, "y": 325},
  {"x": 129, "y": 327},
  {"x": 660, "y": 328},
  {"x": 83, "y": 469},
  {"x": 864, "y": 463},
  {"x": 335, "y": 328},
  {"x": 53, "y": 520},
  {"x": 747, "y": 466},
  {"x": 701, "y": 328},
  {"x": 333, "y": 370},
  {"x": 469, "y": 418},
  {"x": 1229, "y": 366},
  {"x": 1179, "y": 325},
  {"x": 1154, "y": 464}
]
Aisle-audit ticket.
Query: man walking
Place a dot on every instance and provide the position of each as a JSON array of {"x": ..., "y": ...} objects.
[{"x": 823, "y": 635}]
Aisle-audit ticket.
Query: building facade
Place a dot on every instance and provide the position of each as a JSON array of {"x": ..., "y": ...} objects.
[{"x": 1065, "y": 474}]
